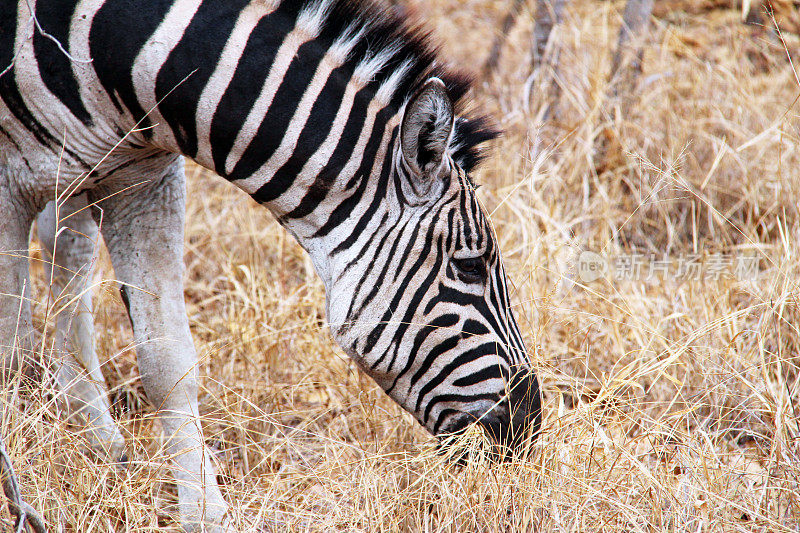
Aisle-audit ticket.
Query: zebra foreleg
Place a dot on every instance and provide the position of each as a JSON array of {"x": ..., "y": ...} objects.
[
  {"x": 143, "y": 230},
  {"x": 16, "y": 332},
  {"x": 68, "y": 269}
]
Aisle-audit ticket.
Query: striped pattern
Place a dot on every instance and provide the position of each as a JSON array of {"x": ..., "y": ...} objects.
[{"x": 331, "y": 114}]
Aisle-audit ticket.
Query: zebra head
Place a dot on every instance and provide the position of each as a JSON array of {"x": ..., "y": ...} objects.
[{"x": 423, "y": 308}]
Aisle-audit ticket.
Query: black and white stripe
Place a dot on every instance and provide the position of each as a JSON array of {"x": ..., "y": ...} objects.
[{"x": 336, "y": 116}]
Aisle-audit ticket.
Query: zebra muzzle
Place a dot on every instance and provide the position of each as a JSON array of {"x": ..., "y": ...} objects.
[
  {"x": 516, "y": 423},
  {"x": 512, "y": 425}
]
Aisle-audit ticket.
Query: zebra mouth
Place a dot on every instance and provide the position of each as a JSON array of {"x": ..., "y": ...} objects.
[
  {"x": 456, "y": 425},
  {"x": 493, "y": 426},
  {"x": 508, "y": 432}
]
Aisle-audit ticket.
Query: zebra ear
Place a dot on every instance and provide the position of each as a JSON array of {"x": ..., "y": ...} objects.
[{"x": 427, "y": 128}]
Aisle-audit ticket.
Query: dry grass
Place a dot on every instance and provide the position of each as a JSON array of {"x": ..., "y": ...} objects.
[{"x": 670, "y": 404}]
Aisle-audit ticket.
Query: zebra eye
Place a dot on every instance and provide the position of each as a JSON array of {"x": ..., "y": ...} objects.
[{"x": 470, "y": 269}]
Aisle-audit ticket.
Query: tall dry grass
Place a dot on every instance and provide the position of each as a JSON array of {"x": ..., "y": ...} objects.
[{"x": 670, "y": 404}]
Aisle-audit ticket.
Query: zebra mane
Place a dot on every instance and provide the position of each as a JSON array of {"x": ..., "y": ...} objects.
[{"x": 399, "y": 55}]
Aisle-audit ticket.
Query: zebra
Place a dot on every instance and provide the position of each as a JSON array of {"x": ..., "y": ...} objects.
[{"x": 338, "y": 117}]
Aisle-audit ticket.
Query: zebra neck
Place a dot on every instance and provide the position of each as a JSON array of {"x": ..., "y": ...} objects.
[
  {"x": 297, "y": 118},
  {"x": 339, "y": 217},
  {"x": 295, "y": 102},
  {"x": 292, "y": 101},
  {"x": 322, "y": 171}
]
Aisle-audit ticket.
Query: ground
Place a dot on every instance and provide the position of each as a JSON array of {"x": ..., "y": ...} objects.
[{"x": 670, "y": 383}]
